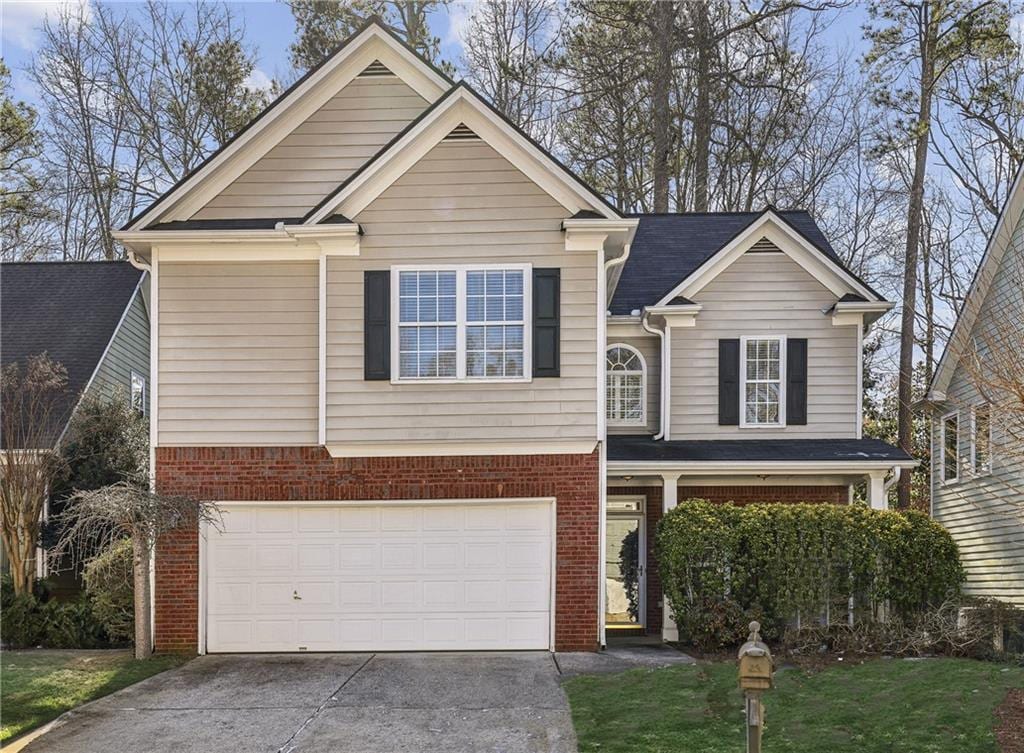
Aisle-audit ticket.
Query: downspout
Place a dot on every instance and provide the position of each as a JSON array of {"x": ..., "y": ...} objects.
[
  {"x": 897, "y": 471},
  {"x": 134, "y": 260},
  {"x": 661, "y": 382}
]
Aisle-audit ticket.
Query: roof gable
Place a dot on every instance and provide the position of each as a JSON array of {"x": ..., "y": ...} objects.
[
  {"x": 69, "y": 310},
  {"x": 670, "y": 249},
  {"x": 1011, "y": 217},
  {"x": 459, "y": 110},
  {"x": 371, "y": 46}
]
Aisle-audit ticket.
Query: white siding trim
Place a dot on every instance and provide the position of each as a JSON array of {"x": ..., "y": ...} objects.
[
  {"x": 322, "y": 352},
  {"x": 427, "y": 448}
]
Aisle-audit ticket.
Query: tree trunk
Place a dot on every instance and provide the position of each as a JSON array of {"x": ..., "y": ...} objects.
[
  {"x": 702, "y": 104},
  {"x": 915, "y": 208},
  {"x": 140, "y": 574},
  {"x": 663, "y": 25}
]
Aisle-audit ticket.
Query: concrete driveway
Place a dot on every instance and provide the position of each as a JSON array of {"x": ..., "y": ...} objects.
[{"x": 341, "y": 703}]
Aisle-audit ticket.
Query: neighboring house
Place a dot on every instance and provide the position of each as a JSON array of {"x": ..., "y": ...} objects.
[
  {"x": 977, "y": 474},
  {"x": 436, "y": 382},
  {"x": 91, "y": 317}
]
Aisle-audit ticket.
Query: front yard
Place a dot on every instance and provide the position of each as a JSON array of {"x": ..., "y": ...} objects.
[
  {"x": 39, "y": 685},
  {"x": 878, "y": 706}
]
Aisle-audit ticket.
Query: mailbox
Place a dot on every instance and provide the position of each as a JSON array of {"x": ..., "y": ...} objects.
[{"x": 755, "y": 661}]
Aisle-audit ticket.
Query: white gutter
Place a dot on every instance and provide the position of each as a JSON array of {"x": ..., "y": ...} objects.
[
  {"x": 276, "y": 234},
  {"x": 661, "y": 382},
  {"x": 759, "y": 466}
]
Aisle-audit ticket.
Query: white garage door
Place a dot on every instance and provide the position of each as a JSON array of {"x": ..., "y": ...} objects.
[{"x": 393, "y": 577}]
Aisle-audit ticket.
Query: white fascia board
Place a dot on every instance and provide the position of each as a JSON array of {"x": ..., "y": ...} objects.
[
  {"x": 998, "y": 243},
  {"x": 373, "y": 43},
  {"x": 794, "y": 245},
  {"x": 460, "y": 106},
  {"x": 284, "y": 242},
  {"x": 728, "y": 467}
]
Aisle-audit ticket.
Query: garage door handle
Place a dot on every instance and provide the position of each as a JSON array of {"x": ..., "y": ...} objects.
[{"x": 295, "y": 595}]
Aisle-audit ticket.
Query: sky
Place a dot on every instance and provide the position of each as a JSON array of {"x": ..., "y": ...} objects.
[{"x": 270, "y": 28}]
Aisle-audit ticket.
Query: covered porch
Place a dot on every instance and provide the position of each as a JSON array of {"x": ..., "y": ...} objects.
[{"x": 647, "y": 478}]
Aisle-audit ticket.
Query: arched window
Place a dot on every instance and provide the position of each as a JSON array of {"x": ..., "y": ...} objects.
[{"x": 625, "y": 377}]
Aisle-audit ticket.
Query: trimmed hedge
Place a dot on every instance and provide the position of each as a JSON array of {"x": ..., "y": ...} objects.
[{"x": 723, "y": 565}]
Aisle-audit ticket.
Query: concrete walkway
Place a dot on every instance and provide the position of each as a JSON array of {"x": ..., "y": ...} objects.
[{"x": 356, "y": 703}]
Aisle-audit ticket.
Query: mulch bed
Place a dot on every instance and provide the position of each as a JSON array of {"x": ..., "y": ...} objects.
[{"x": 1010, "y": 722}]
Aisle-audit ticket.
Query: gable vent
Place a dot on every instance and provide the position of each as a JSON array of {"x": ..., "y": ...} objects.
[
  {"x": 461, "y": 132},
  {"x": 376, "y": 68},
  {"x": 764, "y": 246}
]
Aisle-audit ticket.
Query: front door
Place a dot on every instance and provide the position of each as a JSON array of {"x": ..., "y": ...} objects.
[{"x": 625, "y": 559}]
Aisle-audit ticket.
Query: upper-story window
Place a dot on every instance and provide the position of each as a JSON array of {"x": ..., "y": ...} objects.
[
  {"x": 138, "y": 395},
  {"x": 762, "y": 381},
  {"x": 949, "y": 460},
  {"x": 981, "y": 439},
  {"x": 625, "y": 377},
  {"x": 462, "y": 323}
]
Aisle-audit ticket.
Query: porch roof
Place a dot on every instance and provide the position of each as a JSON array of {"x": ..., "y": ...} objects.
[{"x": 832, "y": 452}]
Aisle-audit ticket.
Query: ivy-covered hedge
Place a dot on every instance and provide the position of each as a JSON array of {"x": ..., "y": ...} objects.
[{"x": 723, "y": 565}]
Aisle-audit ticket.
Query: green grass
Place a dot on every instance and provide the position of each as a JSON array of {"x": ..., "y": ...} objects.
[
  {"x": 880, "y": 706},
  {"x": 37, "y": 686}
]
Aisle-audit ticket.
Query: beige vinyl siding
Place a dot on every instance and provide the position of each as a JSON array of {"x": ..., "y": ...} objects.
[
  {"x": 765, "y": 294},
  {"x": 128, "y": 352},
  {"x": 461, "y": 203},
  {"x": 321, "y": 153},
  {"x": 985, "y": 514},
  {"x": 650, "y": 349},
  {"x": 238, "y": 353}
]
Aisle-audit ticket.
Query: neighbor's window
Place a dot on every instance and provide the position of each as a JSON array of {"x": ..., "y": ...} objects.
[
  {"x": 462, "y": 323},
  {"x": 761, "y": 374},
  {"x": 624, "y": 378},
  {"x": 950, "y": 447},
  {"x": 138, "y": 392},
  {"x": 982, "y": 439}
]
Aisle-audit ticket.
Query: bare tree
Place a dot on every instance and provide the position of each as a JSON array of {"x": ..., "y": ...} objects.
[
  {"x": 96, "y": 520},
  {"x": 32, "y": 402}
]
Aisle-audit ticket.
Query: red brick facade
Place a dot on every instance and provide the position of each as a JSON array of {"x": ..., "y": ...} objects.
[
  {"x": 739, "y": 494},
  {"x": 310, "y": 473}
]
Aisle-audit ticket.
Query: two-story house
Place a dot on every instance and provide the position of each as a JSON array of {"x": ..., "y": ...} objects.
[
  {"x": 977, "y": 468},
  {"x": 436, "y": 382}
]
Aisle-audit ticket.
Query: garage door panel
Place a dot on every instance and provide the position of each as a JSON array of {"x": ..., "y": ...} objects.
[{"x": 386, "y": 577}]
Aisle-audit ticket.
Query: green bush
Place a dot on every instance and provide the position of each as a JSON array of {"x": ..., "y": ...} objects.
[
  {"x": 108, "y": 582},
  {"x": 723, "y": 565},
  {"x": 32, "y": 620}
]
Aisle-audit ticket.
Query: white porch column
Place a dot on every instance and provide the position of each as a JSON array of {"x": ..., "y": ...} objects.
[
  {"x": 670, "y": 498},
  {"x": 878, "y": 499}
]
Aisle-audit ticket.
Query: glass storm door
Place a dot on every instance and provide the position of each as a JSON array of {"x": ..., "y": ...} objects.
[{"x": 625, "y": 556}]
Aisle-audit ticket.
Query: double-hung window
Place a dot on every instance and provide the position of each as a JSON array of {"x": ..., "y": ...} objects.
[
  {"x": 762, "y": 381},
  {"x": 624, "y": 380},
  {"x": 950, "y": 458},
  {"x": 138, "y": 393},
  {"x": 462, "y": 323}
]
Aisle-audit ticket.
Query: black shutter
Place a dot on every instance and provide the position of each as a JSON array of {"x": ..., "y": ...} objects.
[
  {"x": 728, "y": 382},
  {"x": 546, "y": 327},
  {"x": 376, "y": 325},
  {"x": 796, "y": 381}
]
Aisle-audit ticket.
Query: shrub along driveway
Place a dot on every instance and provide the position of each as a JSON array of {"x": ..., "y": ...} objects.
[
  {"x": 39, "y": 685},
  {"x": 510, "y": 702}
]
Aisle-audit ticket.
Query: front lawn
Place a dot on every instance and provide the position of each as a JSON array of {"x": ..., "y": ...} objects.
[
  {"x": 39, "y": 685},
  {"x": 881, "y": 705}
]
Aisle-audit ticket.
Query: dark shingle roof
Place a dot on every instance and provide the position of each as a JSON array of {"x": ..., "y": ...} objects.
[
  {"x": 69, "y": 310},
  {"x": 641, "y": 448},
  {"x": 668, "y": 248}
]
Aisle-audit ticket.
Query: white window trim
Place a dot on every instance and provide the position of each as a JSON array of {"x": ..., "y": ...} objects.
[
  {"x": 974, "y": 440},
  {"x": 642, "y": 421},
  {"x": 460, "y": 323},
  {"x": 942, "y": 448},
  {"x": 131, "y": 389},
  {"x": 781, "y": 423}
]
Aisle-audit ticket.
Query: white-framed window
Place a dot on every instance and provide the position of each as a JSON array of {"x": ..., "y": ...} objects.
[
  {"x": 461, "y": 323},
  {"x": 981, "y": 439},
  {"x": 949, "y": 458},
  {"x": 626, "y": 386},
  {"x": 763, "y": 381},
  {"x": 138, "y": 394}
]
